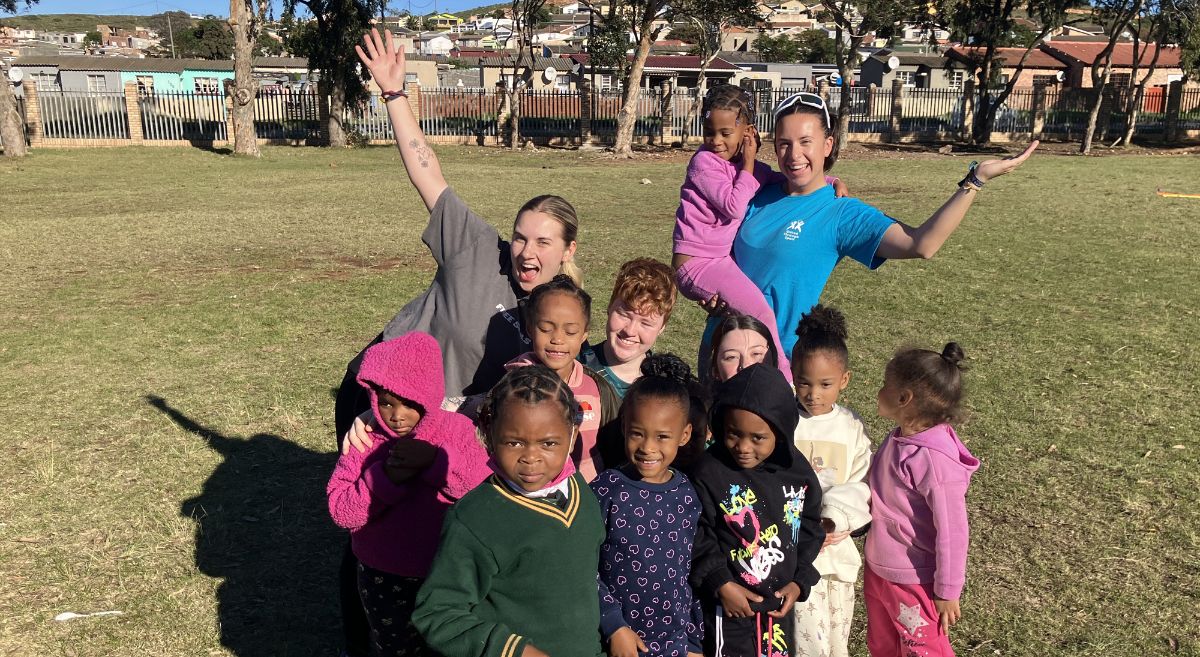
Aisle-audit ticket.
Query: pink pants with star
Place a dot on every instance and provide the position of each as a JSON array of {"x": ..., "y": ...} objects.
[{"x": 901, "y": 620}]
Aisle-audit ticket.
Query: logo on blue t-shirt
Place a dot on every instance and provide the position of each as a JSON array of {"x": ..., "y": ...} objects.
[{"x": 793, "y": 229}]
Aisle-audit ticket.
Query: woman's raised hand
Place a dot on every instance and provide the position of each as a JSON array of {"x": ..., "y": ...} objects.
[
  {"x": 384, "y": 59},
  {"x": 993, "y": 168}
]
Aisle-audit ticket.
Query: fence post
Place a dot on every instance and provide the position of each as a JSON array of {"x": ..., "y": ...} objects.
[
  {"x": 586, "y": 111},
  {"x": 1039, "y": 111},
  {"x": 414, "y": 100},
  {"x": 134, "y": 112},
  {"x": 33, "y": 113},
  {"x": 968, "y": 113},
  {"x": 228, "y": 99},
  {"x": 665, "y": 106},
  {"x": 893, "y": 135},
  {"x": 1174, "y": 104}
]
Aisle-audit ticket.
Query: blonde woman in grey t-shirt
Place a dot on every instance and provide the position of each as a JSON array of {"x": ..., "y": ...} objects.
[{"x": 470, "y": 307}]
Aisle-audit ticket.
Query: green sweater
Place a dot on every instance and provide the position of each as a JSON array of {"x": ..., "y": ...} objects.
[{"x": 510, "y": 571}]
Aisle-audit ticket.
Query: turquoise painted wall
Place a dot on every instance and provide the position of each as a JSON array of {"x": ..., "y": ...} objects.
[
  {"x": 190, "y": 75},
  {"x": 162, "y": 81}
]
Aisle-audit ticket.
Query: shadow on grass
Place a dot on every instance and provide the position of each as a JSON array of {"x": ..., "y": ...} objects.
[{"x": 263, "y": 527}]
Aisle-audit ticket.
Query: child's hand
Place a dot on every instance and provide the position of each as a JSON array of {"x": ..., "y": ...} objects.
[
  {"x": 840, "y": 189},
  {"x": 833, "y": 538},
  {"x": 948, "y": 610},
  {"x": 383, "y": 59},
  {"x": 750, "y": 147},
  {"x": 736, "y": 599},
  {"x": 715, "y": 307},
  {"x": 532, "y": 651},
  {"x": 416, "y": 454},
  {"x": 994, "y": 168},
  {"x": 789, "y": 595},
  {"x": 359, "y": 436},
  {"x": 626, "y": 643}
]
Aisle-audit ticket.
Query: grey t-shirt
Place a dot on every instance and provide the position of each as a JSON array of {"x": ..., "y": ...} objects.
[{"x": 471, "y": 305}]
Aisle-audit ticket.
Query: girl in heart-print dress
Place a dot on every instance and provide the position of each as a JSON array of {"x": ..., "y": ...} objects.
[{"x": 760, "y": 528}]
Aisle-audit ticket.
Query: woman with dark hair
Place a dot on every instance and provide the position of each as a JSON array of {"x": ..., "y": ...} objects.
[{"x": 797, "y": 231}]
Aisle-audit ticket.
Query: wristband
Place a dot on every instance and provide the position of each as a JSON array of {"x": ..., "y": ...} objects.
[
  {"x": 389, "y": 96},
  {"x": 971, "y": 181}
]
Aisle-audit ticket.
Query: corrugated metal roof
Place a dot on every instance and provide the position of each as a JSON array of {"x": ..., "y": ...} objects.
[
  {"x": 1009, "y": 57},
  {"x": 151, "y": 64}
]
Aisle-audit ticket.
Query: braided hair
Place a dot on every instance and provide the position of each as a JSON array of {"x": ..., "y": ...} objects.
[
  {"x": 560, "y": 283},
  {"x": 668, "y": 377},
  {"x": 729, "y": 97},
  {"x": 532, "y": 384}
]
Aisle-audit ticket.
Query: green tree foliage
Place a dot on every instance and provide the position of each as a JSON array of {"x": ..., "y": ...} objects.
[
  {"x": 91, "y": 39},
  {"x": 10, "y": 6},
  {"x": 687, "y": 33},
  {"x": 209, "y": 39},
  {"x": 267, "y": 46},
  {"x": 608, "y": 46},
  {"x": 777, "y": 49},
  {"x": 179, "y": 21},
  {"x": 816, "y": 47}
]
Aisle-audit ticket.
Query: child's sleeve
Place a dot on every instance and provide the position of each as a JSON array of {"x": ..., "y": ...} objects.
[
  {"x": 945, "y": 491},
  {"x": 360, "y": 489},
  {"x": 612, "y": 616},
  {"x": 811, "y": 536},
  {"x": 709, "y": 569},
  {"x": 726, "y": 197},
  {"x": 848, "y": 504},
  {"x": 466, "y": 459},
  {"x": 461, "y": 576},
  {"x": 695, "y": 627}
]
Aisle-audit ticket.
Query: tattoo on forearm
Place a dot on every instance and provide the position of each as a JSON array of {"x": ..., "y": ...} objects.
[{"x": 424, "y": 153}]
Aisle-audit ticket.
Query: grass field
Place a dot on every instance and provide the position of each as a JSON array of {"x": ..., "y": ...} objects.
[{"x": 173, "y": 322}]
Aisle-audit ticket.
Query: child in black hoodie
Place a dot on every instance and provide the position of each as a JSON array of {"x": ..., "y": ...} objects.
[{"x": 760, "y": 528}]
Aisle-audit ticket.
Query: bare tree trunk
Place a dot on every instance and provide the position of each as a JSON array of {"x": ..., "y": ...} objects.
[
  {"x": 337, "y": 106},
  {"x": 12, "y": 127},
  {"x": 846, "y": 62},
  {"x": 1093, "y": 116},
  {"x": 244, "y": 22},
  {"x": 514, "y": 115},
  {"x": 1134, "y": 105},
  {"x": 628, "y": 115}
]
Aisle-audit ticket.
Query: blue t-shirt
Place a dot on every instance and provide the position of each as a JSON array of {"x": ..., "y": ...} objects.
[{"x": 789, "y": 245}]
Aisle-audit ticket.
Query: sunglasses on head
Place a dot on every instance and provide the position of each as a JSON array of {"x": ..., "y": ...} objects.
[{"x": 803, "y": 98}]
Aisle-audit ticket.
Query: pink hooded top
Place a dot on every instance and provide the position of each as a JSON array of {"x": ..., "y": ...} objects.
[
  {"x": 395, "y": 527},
  {"x": 919, "y": 510}
]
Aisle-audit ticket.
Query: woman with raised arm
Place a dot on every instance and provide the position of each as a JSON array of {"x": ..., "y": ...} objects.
[
  {"x": 797, "y": 231},
  {"x": 470, "y": 307}
]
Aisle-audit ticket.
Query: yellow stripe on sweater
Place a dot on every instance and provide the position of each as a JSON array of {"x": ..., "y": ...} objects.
[
  {"x": 510, "y": 646},
  {"x": 565, "y": 517}
]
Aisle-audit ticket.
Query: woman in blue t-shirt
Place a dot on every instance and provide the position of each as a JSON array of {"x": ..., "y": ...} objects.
[{"x": 795, "y": 233}]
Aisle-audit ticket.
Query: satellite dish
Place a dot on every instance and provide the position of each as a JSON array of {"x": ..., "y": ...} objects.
[
  {"x": 460, "y": 83},
  {"x": 1060, "y": 75},
  {"x": 550, "y": 74},
  {"x": 577, "y": 67},
  {"x": 893, "y": 63},
  {"x": 15, "y": 74},
  {"x": 835, "y": 79}
]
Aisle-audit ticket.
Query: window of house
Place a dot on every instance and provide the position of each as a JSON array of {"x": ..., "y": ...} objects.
[
  {"x": 1119, "y": 79},
  {"x": 411, "y": 78},
  {"x": 957, "y": 78},
  {"x": 206, "y": 86},
  {"x": 907, "y": 78},
  {"x": 145, "y": 85},
  {"x": 1045, "y": 80},
  {"x": 97, "y": 83},
  {"x": 604, "y": 81},
  {"x": 46, "y": 81},
  {"x": 562, "y": 83}
]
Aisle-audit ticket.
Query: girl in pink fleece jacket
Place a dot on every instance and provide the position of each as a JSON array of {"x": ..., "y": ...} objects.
[
  {"x": 917, "y": 548},
  {"x": 394, "y": 496}
]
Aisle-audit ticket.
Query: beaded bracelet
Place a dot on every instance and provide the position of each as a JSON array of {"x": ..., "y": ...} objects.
[{"x": 389, "y": 96}]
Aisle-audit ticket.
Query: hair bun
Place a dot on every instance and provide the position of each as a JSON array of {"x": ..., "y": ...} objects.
[
  {"x": 667, "y": 366},
  {"x": 822, "y": 321},
  {"x": 953, "y": 354}
]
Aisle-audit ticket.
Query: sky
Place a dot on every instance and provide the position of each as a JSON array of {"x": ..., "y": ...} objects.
[{"x": 216, "y": 7}]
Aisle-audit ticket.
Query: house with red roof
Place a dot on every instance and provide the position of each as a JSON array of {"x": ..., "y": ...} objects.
[
  {"x": 1079, "y": 56},
  {"x": 1041, "y": 68}
]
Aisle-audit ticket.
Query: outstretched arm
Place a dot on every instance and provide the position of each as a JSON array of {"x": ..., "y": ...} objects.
[
  {"x": 901, "y": 241},
  {"x": 385, "y": 61}
]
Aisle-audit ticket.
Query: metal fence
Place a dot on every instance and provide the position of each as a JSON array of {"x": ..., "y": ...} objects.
[
  {"x": 548, "y": 114},
  {"x": 182, "y": 116},
  {"x": 84, "y": 115}
]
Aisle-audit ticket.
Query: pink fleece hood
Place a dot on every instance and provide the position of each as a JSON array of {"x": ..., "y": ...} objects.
[
  {"x": 409, "y": 366},
  {"x": 941, "y": 438}
]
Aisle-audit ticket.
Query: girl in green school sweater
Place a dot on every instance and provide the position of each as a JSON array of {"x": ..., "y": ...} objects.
[{"x": 515, "y": 572}]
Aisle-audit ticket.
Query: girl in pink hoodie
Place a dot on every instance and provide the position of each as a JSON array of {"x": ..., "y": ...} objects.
[
  {"x": 394, "y": 496},
  {"x": 917, "y": 548}
]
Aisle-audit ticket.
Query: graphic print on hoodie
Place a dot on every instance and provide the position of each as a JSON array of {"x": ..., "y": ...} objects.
[{"x": 760, "y": 527}]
